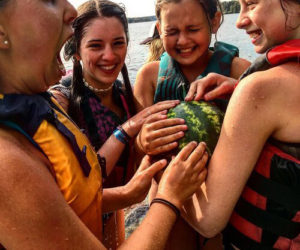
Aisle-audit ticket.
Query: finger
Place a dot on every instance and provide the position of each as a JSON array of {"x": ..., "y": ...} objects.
[
  {"x": 169, "y": 131},
  {"x": 165, "y": 105},
  {"x": 202, "y": 176},
  {"x": 163, "y": 149},
  {"x": 223, "y": 89},
  {"x": 186, "y": 151},
  {"x": 197, "y": 154},
  {"x": 171, "y": 122},
  {"x": 145, "y": 163},
  {"x": 156, "y": 117},
  {"x": 206, "y": 83},
  {"x": 155, "y": 167},
  {"x": 201, "y": 163},
  {"x": 190, "y": 95}
]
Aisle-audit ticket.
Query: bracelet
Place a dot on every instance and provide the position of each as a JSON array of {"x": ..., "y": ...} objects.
[
  {"x": 120, "y": 136},
  {"x": 124, "y": 132},
  {"x": 169, "y": 204}
]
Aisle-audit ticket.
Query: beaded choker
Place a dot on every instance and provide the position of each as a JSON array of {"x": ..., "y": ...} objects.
[{"x": 95, "y": 89}]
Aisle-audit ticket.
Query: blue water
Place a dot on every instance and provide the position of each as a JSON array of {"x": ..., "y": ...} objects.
[{"x": 139, "y": 31}]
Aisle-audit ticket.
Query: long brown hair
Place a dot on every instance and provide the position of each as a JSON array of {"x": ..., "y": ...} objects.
[{"x": 86, "y": 13}]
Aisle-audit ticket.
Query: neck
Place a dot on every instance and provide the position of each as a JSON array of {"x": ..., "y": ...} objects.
[{"x": 193, "y": 70}]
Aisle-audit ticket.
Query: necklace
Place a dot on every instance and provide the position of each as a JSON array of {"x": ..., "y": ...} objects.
[{"x": 95, "y": 89}]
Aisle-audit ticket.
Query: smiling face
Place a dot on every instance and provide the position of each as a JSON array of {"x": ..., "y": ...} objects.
[
  {"x": 266, "y": 23},
  {"x": 103, "y": 50},
  {"x": 36, "y": 31},
  {"x": 186, "y": 32}
]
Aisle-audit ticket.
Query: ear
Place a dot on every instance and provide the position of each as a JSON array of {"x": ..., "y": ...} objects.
[
  {"x": 215, "y": 22},
  {"x": 4, "y": 43},
  {"x": 158, "y": 26}
]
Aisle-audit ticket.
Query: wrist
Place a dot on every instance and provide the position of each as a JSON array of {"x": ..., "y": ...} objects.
[
  {"x": 121, "y": 135},
  {"x": 174, "y": 201},
  {"x": 167, "y": 203},
  {"x": 128, "y": 195}
]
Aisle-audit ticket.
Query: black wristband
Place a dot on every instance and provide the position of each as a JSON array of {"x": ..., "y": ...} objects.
[
  {"x": 169, "y": 204},
  {"x": 102, "y": 163},
  {"x": 128, "y": 138}
]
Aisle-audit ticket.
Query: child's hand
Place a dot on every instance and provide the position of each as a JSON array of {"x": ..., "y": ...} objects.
[
  {"x": 184, "y": 175},
  {"x": 134, "y": 124},
  {"x": 160, "y": 134}
]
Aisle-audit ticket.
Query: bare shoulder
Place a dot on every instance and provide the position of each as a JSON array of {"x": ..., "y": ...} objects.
[
  {"x": 18, "y": 158},
  {"x": 238, "y": 66},
  {"x": 274, "y": 96},
  {"x": 145, "y": 84},
  {"x": 148, "y": 72}
]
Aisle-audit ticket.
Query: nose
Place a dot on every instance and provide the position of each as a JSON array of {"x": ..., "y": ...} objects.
[
  {"x": 242, "y": 21},
  {"x": 182, "y": 38},
  {"x": 108, "y": 53},
  {"x": 70, "y": 13}
]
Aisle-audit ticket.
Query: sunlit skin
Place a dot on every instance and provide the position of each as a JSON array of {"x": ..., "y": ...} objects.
[
  {"x": 103, "y": 50},
  {"x": 254, "y": 19},
  {"x": 186, "y": 34},
  {"x": 35, "y": 73}
]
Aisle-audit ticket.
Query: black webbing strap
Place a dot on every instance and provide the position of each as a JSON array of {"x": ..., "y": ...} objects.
[
  {"x": 267, "y": 221},
  {"x": 275, "y": 191},
  {"x": 232, "y": 236}
]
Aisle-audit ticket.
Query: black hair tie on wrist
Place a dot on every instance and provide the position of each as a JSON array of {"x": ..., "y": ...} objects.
[{"x": 169, "y": 204}]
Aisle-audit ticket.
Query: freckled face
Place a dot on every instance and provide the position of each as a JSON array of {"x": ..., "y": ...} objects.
[
  {"x": 265, "y": 22},
  {"x": 102, "y": 51},
  {"x": 185, "y": 31}
]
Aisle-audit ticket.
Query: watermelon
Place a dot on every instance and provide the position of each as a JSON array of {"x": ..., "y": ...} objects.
[{"x": 204, "y": 121}]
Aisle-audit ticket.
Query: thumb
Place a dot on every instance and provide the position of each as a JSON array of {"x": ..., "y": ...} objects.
[
  {"x": 145, "y": 163},
  {"x": 155, "y": 167}
]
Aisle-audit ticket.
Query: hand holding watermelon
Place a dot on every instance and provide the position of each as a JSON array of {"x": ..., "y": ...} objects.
[
  {"x": 184, "y": 174},
  {"x": 159, "y": 134}
]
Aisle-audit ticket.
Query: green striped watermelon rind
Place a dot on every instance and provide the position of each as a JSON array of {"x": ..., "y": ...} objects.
[{"x": 204, "y": 121}]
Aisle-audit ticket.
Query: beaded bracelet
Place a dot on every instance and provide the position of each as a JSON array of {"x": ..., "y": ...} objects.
[
  {"x": 121, "y": 135},
  {"x": 169, "y": 204}
]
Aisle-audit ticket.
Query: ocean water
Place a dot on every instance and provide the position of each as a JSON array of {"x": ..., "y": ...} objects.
[{"x": 137, "y": 53}]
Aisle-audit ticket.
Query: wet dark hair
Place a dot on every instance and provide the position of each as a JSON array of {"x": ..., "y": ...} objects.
[
  {"x": 210, "y": 8},
  {"x": 3, "y": 3},
  {"x": 87, "y": 12}
]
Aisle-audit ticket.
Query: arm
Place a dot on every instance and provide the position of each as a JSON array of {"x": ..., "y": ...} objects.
[
  {"x": 132, "y": 127},
  {"x": 34, "y": 214},
  {"x": 145, "y": 85},
  {"x": 256, "y": 111},
  {"x": 215, "y": 85}
]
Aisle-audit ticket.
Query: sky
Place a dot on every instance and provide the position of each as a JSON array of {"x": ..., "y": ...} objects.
[{"x": 134, "y": 8}]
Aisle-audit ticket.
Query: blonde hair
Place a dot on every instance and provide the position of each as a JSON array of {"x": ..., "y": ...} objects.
[{"x": 156, "y": 49}]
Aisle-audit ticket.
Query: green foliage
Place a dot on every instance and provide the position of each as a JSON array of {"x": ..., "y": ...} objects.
[{"x": 230, "y": 7}]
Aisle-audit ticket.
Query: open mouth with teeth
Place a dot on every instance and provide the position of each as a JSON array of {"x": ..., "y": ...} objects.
[
  {"x": 109, "y": 69},
  {"x": 185, "y": 51},
  {"x": 255, "y": 35}
]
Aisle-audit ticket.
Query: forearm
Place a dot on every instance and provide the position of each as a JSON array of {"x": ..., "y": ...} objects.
[
  {"x": 116, "y": 198},
  {"x": 153, "y": 233},
  {"x": 111, "y": 150}
]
